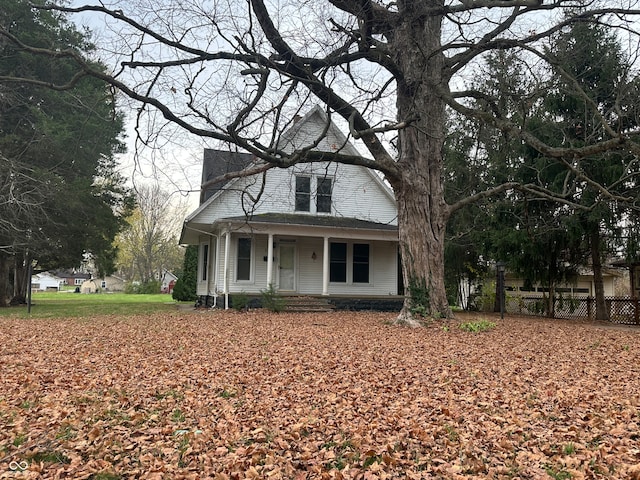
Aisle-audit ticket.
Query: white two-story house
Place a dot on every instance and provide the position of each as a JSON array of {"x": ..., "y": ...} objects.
[{"x": 322, "y": 229}]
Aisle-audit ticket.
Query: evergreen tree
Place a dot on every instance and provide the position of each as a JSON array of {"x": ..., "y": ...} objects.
[
  {"x": 185, "y": 287},
  {"x": 58, "y": 151}
]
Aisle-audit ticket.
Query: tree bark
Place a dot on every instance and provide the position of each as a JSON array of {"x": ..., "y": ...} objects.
[
  {"x": 20, "y": 281},
  {"x": 419, "y": 190},
  {"x": 5, "y": 284},
  {"x": 602, "y": 313}
]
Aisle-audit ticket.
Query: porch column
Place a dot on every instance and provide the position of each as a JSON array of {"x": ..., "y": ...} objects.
[
  {"x": 217, "y": 265},
  {"x": 270, "y": 261},
  {"x": 227, "y": 245},
  {"x": 325, "y": 267}
]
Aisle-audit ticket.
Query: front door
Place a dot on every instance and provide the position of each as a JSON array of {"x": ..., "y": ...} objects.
[{"x": 287, "y": 270}]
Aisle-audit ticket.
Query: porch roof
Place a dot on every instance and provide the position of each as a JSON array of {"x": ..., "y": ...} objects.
[
  {"x": 296, "y": 224},
  {"x": 313, "y": 221}
]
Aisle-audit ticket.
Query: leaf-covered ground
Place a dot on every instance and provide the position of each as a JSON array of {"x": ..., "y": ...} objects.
[{"x": 296, "y": 396}]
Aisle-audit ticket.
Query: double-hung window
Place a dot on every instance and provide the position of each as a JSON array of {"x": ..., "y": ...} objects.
[
  {"x": 360, "y": 263},
  {"x": 342, "y": 256},
  {"x": 318, "y": 188},
  {"x": 205, "y": 262},
  {"x": 243, "y": 267},
  {"x": 303, "y": 194},
  {"x": 338, "y": 262},
  {"x": 323, "y": 195}
]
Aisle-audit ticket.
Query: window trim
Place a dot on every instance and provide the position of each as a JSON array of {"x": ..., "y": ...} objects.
[
  {"x": 203, "y": 262},
  {"x": 250, "y": 259},
  {"x": 333, "y": 262},
  {"x": 307, "y": 194},
  {"x": 349, "y": 262},
  {"x": 320, "y": 180},
  {"x": 353, "y": 263}
]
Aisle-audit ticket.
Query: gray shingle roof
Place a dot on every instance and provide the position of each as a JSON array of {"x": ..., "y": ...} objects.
[
  {"x": 220, "y": 162},
  {"x": 314, "y": 220}
]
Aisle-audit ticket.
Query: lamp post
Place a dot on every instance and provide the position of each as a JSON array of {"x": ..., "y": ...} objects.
[{"x": 500, "y": 266}]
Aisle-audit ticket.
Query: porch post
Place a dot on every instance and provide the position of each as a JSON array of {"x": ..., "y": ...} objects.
[
  {"x": 270, "y": 261},
  {"x": 325, "y": 267},
  {"x": 210, "y": 266},
  {"x": 227, "y": 245},
  {"x": 217, "y": 265}
]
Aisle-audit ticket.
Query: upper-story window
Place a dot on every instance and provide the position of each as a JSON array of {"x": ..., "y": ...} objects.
[
  {"x": 323, "y": 195},
  {"x": 303, "y": 194},
  {"x": 322, "y": 186}
]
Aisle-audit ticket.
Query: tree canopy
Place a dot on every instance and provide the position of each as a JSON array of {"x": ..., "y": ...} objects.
[
  {"x": 63, "y": 197},
  {"x": 238, "y": 72},
  {"x": 148, "y": 244}
]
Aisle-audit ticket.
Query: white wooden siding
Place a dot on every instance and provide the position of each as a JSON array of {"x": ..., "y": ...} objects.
[
  {"x": 382, "y": 264},
  {"x": 357, "y": 191},
  {"x": 355, "y": 194}
]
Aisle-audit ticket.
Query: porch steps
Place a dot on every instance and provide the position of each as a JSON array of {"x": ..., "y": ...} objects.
[{"x": 307, "y": 304}]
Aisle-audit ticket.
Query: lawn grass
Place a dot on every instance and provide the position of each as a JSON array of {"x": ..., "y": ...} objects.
[{"x": 68, "y": 304}]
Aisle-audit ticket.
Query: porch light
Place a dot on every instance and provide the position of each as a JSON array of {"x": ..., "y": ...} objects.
[{"x": 313, "y": 256}]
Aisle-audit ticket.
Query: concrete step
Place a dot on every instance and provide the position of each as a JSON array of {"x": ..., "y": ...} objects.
[{"x": 307, "y": 304}]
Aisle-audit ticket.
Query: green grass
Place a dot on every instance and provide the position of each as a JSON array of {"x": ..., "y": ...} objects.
[
  {"x": 477, "y": 326},
  {"x": 66, "y": 304}
]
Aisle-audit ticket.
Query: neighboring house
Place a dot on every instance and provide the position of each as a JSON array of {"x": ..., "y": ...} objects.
[
  {"x": 582, "y": 286},
  {"x": 90, "y": 286},
  {"x": 314, "y": 229},
  {"x": 71, "y": 277},
  {"x": 45, "y": 281},
  {"x": 168, "y": 281},
  {"x": 111, "y": 283}
]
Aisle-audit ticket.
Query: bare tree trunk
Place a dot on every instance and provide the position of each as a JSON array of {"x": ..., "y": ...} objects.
[
  {"x": 5, "y": 284},
  {"x": 20, "y": 280},
  {"x": 602, "y": 312},
  {"x": 422, "y": 211}
]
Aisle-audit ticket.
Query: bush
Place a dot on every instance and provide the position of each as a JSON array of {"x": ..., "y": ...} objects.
[
  {"x": 271, "y": 300},
  {"x": 240, "y": 301},
  {"x": 153, "y": 286}
]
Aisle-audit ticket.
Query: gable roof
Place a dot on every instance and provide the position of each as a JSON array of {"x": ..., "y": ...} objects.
[
  {"x": 304, "y": 132},
  {"x": 299, "y": 135},
  {"x": 220, "y": 162}
]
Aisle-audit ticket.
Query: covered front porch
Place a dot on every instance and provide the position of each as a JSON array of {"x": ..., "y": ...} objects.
[{"x": 296, "y": 255}]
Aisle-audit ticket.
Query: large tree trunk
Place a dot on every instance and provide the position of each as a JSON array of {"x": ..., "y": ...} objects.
[
  {"x": 21, "y": 282},
  {"x": 602, "y": 312},
  {"x": 6, "y": 262},
  {"x": 422, "y": 211}
]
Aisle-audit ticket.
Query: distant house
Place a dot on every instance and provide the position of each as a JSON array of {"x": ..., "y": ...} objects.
[
  {"x": 90, "y": 286},
  {"x": 582, "y": 286},
  {"x": 112, "y": 283},
  {"x": 45, "y": 281},
  {"x": 320, "y": 228},
  {"x": 168, "y": 281},
  {"x": 71, "y": 277},
  {"x": 516, "y": 290}
]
